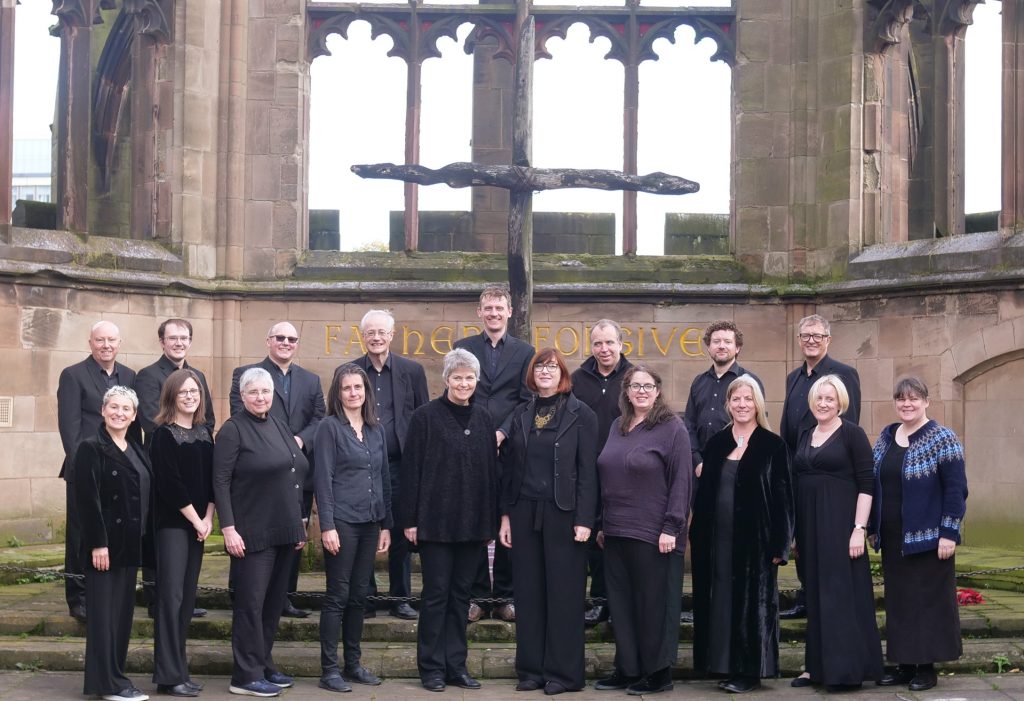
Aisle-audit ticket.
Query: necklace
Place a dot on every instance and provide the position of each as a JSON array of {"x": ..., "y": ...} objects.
[
  {"x": 543, "y": 416},
  {"x": 740, "y": 439}
]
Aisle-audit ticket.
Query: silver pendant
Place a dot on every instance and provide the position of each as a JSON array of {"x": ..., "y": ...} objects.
[{"x": 466, "y": 431}]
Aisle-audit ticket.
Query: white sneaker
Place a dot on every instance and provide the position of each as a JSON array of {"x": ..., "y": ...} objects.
[{"x": 129, "y": 694}]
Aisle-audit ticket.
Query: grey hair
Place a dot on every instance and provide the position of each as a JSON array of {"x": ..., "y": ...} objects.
[
  {"x": 119, "y": 391},
  {"x": 254, "y": 375},
  {"x": 607, "y": 324},
  {"x": 388, "y": 316},
  {"x": 815, "y": 319},
  {"x": 459, "y": 358}
]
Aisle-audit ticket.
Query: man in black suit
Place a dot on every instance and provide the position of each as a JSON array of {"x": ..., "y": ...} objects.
[
  {"x": 299, "y": 404},
  {"x": 399, "y": 386},
  {"x": 504, "y": 362},
  {"x": 814, "y": 334},
  {"x": 80, "y": 393},
  {"x": 175, "y": 337}
]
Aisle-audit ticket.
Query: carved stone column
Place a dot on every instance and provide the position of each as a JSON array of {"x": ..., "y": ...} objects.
[
  {"x": 6, "y": 106},
  {"x": 1011, "y": 219},
  {"x": 74, "y": 90}
]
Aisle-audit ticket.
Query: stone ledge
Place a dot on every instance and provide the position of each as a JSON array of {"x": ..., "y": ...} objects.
[
  {"x": 965, "y": 254},
  {"x": 42, "y": 246}
]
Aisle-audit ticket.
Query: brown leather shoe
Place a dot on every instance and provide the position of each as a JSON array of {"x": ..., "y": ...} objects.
[
  {"x": 506, "y": 612},
  {"x": 475, "y": 613}
]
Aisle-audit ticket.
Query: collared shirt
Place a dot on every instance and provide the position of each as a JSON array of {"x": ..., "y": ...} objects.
[
  {"x": 492, "y": 353},
  {"x": 705, "y": 408},
  {"x": 384, "y": 398},
  {"x": 111, "y": 379},
  {"x": 282, "y": 380},
  {"x": 796, "y": 403},
  {"x": 352, "y": 479}
]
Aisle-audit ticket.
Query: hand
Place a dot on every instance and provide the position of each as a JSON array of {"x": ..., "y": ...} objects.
[
  {"x": 410, "y": 535},
  {"x": 505, "y": 532},
  {"x": 331, "y": 542},
  {"x": 946, "y": 548},
  {"x": 697, "y": 470},
  {"x": 233, "y": 542},
  {"x": 500, "y": 437},
  {"x": 300, "y": 443},
  {"x": 599, "y": 539},
  {"x": 101, "y": 559},
  {"x": 582, "y": 533},
  {"x": 666, "y": 543},
  {"x": 202, "y": 529},
  {"x": 856, "y": 543},
  {"x": 873, "y": 540},
  {"x": 776, "y": 560},
  {"x": 300, "y": 545},
  {"x": 384, "y": 541}
]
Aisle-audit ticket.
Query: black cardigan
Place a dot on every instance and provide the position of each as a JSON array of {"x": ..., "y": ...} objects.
[
  {"x": 574, "y": 460},
  {"x": 449, "y": 476},
  {"x": 106, "y": 489},
  {"x": 258, "y": 471}
]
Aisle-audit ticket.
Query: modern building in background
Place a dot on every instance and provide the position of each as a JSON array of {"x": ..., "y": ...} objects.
[{"x": 30, "y": 173}]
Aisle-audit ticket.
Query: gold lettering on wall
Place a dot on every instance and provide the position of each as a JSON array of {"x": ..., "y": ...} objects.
[
  {"x": 441, "y": 339},
  {"x": 408, "y": 333}
]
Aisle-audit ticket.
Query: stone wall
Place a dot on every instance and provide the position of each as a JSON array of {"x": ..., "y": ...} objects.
[{"x": 964, "y": 345}]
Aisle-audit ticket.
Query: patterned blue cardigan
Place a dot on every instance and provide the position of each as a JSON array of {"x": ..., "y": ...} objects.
[{"x": 934, "y": 487}]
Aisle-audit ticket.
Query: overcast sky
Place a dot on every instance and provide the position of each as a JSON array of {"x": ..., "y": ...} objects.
[{"x": 684, "y": 119}]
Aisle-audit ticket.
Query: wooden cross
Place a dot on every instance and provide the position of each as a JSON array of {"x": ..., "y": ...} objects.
[{"x": 522, "y": 180}]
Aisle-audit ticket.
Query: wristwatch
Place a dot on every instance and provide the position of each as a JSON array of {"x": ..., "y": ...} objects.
[{"x": 860, "y": 526}]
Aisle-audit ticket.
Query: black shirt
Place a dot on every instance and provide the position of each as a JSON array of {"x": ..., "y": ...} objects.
[
  {"x": 492, "y": 354},
  {"x": 600, "y": 392},
  {"x": 384, "y": 398},
  {"x": 182, "y": 461},
  {"x": 705, "y": 407},
  {"x": 352, "y": 481},
  {"x": 796, "y": 404},
  {"x": 540, "y": 447}
]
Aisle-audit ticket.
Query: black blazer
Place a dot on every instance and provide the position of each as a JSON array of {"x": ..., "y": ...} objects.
[
  {"x": 150, "y": 382},
  {"x": 106, "y": 489},
  {"x": 827, "y": 366},
  {"x": 501, "y": 394},
  {"x": 575, "y": 460},
  {"x": 408, "y": 389},
  {"x": 301, "y": 412},
  {"x": 80, "y": 393}
]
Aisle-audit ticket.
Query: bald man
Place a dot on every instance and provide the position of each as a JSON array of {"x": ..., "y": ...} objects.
[{"x": 80, "y": 393}]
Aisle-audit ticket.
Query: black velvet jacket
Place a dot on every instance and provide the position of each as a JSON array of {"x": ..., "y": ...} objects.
[
  {"x": 762, "y": 529},
  {"x": 106, "y": 489}
]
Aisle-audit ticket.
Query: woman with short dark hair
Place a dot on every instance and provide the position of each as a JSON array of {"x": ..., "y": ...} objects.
[
  {"x": 548, "y": 506},
  {"x": 353, "y": 498},
  {"x": 181, "y": 449},
  {"x": 921, "y": 485}
]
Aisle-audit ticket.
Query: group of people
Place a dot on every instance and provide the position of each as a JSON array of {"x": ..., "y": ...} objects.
[{"x": 588, "y": 472}]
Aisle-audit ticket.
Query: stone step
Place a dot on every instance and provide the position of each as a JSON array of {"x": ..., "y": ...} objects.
[{"x": 398, "y": 660}]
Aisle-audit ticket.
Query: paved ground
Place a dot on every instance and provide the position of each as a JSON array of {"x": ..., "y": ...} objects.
[{"x": 32, "y": 686}]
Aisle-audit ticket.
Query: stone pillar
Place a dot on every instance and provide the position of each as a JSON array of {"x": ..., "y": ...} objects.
[
  {"x": 1012, "y": 216},
  {"x": 6, "y": 107},
  {"x": 74, "y": 92},
  {"x": 948, "y": 115}
]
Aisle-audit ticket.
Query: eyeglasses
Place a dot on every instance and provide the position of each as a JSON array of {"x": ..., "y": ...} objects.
[
  {"x": 376, "y": 334},
  {"x": 816, "y": 337},
  {"x": 188, "y": 393},
  {"x": 290, "y": 339},
  {"x": 637, "y": 387},
  {"x": 551, "y": 368},
  {"x": 178, "y": 339}
]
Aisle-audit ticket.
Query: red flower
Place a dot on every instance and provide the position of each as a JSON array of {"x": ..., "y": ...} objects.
[{"x": 968, "y": 597}]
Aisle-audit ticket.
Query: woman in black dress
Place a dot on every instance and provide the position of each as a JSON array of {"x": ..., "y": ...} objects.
[
  {"x": 258, "y": 472},
  {"x": 740, "y": 533},
  {"x": 548, "y": 505},
  {"x": 834, "y": 487},
  {"x": 181, "y": 449},
  {"x": 448, "y": 507},
  {"x": 112, "y": 487},
  {"x": 922, "y": 497},
  {"x": 353, "y": 498}
]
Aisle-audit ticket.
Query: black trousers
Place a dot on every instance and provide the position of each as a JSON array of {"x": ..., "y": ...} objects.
[
  {"x": 293, "y": 577},
  {"x": 595, "y": 568},
  {"x": 179, "y": 559},
  {"x": 448, "y": 571},
  {"x": 502, "y": 586},
  {"x": 110, "y": 601},
  {"x": 74, "y": 587},
  {"x": 644, "y": 591},
  {"x": 261, "y": 580},
  {"x": 551, "y": 586},
  {"x": 399, "y": 554},
  {"x": 346, "y": 594}
]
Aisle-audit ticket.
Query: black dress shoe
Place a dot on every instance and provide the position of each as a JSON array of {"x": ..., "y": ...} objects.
[
  {"x": 798, "y": 611},
  {"x": 198, "y": 612},
  {"x": 924, "y": 679},
  {"x": 290, "y": 611},
  {"x": 652, "y": 684},
  {"x": 618, "y": 680},
  {"x": 198, "y": 686},
  {"x": 528, "y": 685},
  {"x": 463, "y": 681},
  {"x": 433, "y": 684},
  {"x": 553, "y": 688},
  {"x": 405, "y": 612},
  {"x": 801, "y": 682},
  {"x": 740, "y": 685},
  {"x": 904, "y": 674},
  {"x": 360, "y": 675},
  {"x": 596, "y": 614},
  {"x": 77, "y": 612},
  {"x": 335, "y": 683},
  {"x": 177, "y": 690}
]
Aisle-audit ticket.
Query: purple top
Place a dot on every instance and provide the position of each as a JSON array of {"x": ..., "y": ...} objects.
[{"x": 645, "y": 482}]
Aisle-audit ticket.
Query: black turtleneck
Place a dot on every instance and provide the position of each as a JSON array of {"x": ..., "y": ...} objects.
[
  {"x": 460, "y": 412},
  {"x": 538, "y": 479}
]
